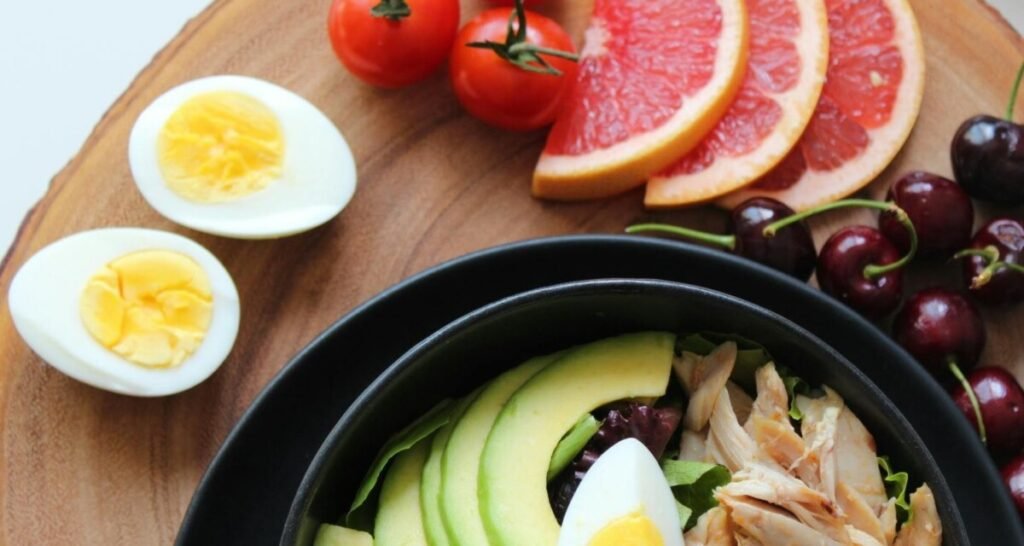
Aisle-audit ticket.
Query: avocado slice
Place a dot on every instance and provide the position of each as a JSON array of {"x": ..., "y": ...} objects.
[
  {"x": 399, "y": 519},
  {"x": 513, "y": 468},
  {"x": 460, "y": 463},
  {"x": 336, "y": 535},
  {"x": 430, "y": 489}
]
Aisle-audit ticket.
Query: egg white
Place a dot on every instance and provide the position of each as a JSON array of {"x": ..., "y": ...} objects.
[
  {"x": 44, "y": 303},
  {"x": 624, "y": 480},
  {"x": 318, "y": 175}
]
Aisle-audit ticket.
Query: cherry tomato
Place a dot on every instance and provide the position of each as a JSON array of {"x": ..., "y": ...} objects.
[
  {"x": 527, "y": 3},
  {"x": 501, "y": 93},
  {"x": 392, "y": 52}
]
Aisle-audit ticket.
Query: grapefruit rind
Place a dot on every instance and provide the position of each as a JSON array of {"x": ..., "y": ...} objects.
[
  {"x": 820, "y": 187},
  {"x": 797, "y": 105},
  {"x": 626, "y": 165}
]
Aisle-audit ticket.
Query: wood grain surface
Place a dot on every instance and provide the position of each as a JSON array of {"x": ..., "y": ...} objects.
[{"x": 82, "y": 466}]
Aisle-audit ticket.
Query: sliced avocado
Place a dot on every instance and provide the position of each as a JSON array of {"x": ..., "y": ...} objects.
[
  {"x": 460, "y": 463},
  {"x": 335, "y": 535},
  {"x": 430, "y": 489},
  {"x": 514, "y": 465},
  {"x": 399, "y": 519},
  {"x": 572, "y": 444}
]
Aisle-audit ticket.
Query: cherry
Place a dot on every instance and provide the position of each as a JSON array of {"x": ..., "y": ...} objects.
[
  {"x": 1001, "y": 401},
  {"x": 790, "y": 251},
  {"x": 1013, "y": 477},
  {"x": 988, "y": 156},
  {"x": 941, "y": 211},
  {"x": 994, "y": 269},
  {"x": 846, "y": 271},
  {"x": 939, "y": 326}
]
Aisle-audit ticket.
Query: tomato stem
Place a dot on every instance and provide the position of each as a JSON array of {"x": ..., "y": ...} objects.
[
  {"x": 872, "y": 271},
  {"x": 1014, "y": 92},
  {"x": 959, "y": 375},
  {"x": 521, "y": 53},
  {"x": 992, "y": 264},
  {"x": 392, "y": 9},
  {"x": 727, "y": 242}
]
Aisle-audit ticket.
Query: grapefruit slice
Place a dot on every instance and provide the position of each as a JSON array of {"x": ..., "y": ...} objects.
[
  {"x": 868, "y": 107},
  {"x": 654, "y": 78},
  {"x": 784, "y": 77}
]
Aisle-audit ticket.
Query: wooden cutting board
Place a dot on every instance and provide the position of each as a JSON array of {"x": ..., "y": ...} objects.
[{"x": 83, "y": 466}]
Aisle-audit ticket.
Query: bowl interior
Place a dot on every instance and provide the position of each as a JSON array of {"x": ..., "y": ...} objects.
[{"x": 497, "y": 337}]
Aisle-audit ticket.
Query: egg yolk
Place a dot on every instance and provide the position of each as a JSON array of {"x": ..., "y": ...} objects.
[
  {"x": 220, "y": 146},
  {"x": 631, "y": 530},
  {"x": 151, "y": 307}
]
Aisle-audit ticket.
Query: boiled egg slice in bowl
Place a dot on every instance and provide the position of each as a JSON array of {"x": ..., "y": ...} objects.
[
  {"x": 240, "y": 157},
  {"x": 623, "y": 499},
  {"x": 133, "y": 311}
]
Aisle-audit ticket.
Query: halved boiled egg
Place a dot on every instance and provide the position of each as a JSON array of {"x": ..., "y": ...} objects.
[
  {"x": 133, "y": 311},
  {"x": 623, "y": 499},
  {"x": 240, "y": 157}
]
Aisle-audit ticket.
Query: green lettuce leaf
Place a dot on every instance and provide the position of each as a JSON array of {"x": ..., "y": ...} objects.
[
  {"x": 750, "y": 356},
  {"x": 693, "y": 484},
  {"x": 572, "y": 444},
  {"x": 795, "y": 385},
  {"x": 403, "y": 441},
  {"x": 896, "y": 488}
]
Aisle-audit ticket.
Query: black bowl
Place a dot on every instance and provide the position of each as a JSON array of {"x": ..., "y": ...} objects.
[{"x": 484, "y": 343}]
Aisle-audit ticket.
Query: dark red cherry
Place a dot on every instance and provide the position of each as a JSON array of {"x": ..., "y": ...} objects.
[
  {"x": 1002, "y": 408},
  {"x": 841, "y": 271},
  {"x": 940, "y": 210},
  {"x": 1006, "y": 285},
  {"x": 938, "y": 326},
  {"x": 988, "y": 159},
  {"x": 791, "y": 250},
  {"x": 1013, "y": 477}
]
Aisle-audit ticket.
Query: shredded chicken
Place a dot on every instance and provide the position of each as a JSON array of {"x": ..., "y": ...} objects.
[
  {"x": 785, "y": 447},
  {"x": 772, "y": 402},
  {"x": 708, "y": 382},
  {"x": 924, "y": 528},
  {"x": 728, "y": 444},
  {"x": 819, "y": 486},
  {"x": 746, "y": 540},
  {"x": 771, "y": 525},
  {"x": 685, "y": 367},
  {"x": 857, "y": 459},
  {"x": 858, "y": 513},
  {"x": 888, "y": 521},
  {"x": 811, "y": 507},
  {"x": 712, "y": 529},
  {"x": 693, "y": 446},
  {"x": 742, "y": 403},
  {"x": 860, "y": 538},
  {"x": 821, "y": 418}
]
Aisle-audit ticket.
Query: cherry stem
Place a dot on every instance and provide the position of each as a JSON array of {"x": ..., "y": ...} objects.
[
  {"x": 992, "y": 264},
  {"x": 959, "y": 375},
  {"x": 727, "y": 242},
  {"x": 872, "y": 271},
  {"x": 518, "y": 51},
  {"x": 392, "y": 9},
  {"x": 1014, "y": 92}
]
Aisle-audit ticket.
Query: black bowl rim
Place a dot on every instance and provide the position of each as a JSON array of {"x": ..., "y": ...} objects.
[
  {"x": 946, "y": 409},
  {"x": 331, "y": 444}
]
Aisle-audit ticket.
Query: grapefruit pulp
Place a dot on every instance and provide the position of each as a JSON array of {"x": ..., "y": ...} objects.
[
  {"x": 785, "y": 72},
  {"x": 654, "y": 78},
  {"x": 868, "y": 107}
]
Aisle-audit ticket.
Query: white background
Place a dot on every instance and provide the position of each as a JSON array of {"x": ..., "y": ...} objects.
[{"x": 64, "y": 62}]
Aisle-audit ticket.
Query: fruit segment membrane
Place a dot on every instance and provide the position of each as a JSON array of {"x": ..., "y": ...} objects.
[
  {"x": 782, "y": 82},
  {"x": 867, "y": 110},
  {"x": 636, "y": 70}
]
